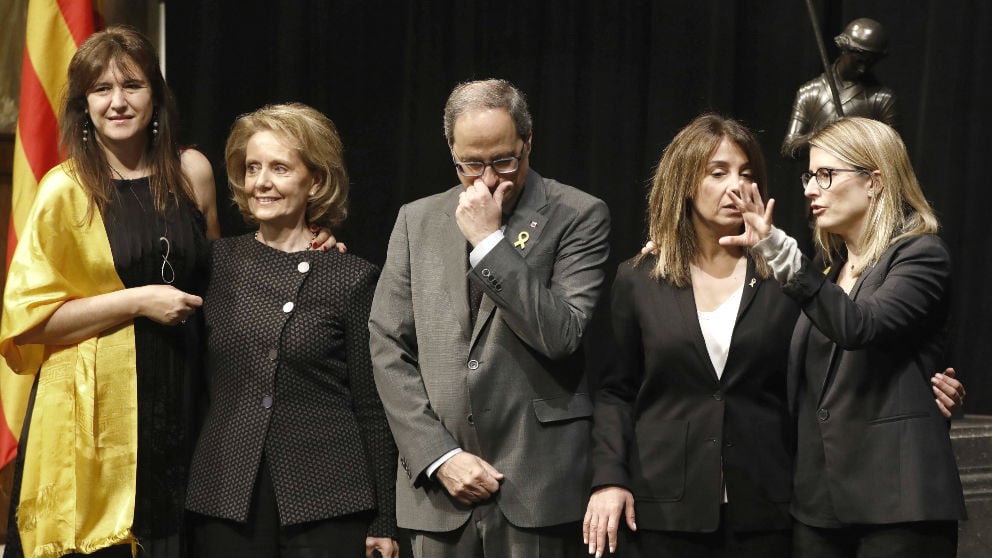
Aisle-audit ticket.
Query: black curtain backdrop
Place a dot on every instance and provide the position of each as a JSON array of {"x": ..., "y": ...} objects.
[{"x": 609, "y": 85}]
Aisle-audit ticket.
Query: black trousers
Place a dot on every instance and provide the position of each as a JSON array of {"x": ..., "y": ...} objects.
[
  {"x": 722, "y": 543},
  {"x": 921, "y": 539},
  {"x": 262, "y": 536}
]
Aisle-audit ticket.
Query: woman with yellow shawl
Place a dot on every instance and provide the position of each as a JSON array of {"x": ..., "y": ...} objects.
[{"x": 101, "y": 304}]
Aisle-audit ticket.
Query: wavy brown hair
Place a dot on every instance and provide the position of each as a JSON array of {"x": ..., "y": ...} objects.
[{"x": 135, "y": 57}]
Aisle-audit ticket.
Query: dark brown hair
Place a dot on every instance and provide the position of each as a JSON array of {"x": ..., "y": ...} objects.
[
  {"x": 676, "y": 179},
  {"x": 134, "y": 56}
]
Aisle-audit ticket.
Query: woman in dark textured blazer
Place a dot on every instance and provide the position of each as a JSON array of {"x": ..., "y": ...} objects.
[
  {"x": 875, "y": 474},
  {"x": 295, "y": 457},
  {"x": 691, "y": 425}
]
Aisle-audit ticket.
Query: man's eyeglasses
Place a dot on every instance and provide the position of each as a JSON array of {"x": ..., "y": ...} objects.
[
  {"x": 825, "y": 176},
  {"x": 472, "y": 169}
]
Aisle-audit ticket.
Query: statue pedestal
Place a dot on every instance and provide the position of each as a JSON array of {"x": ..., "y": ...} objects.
[{"x": 971, "y": 437}]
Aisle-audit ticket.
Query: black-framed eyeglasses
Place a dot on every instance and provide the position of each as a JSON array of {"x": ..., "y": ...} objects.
[
  {"x": 472, "y": 169},
  {"x": 825, "y": 176}
]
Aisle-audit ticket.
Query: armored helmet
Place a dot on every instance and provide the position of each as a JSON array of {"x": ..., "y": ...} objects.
[{"x": 863, "y": 35}]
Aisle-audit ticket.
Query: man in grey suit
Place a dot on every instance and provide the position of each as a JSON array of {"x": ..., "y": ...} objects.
[{"x": 475, "y": 334}]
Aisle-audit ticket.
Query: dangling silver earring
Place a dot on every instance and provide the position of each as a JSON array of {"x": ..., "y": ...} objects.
[
  {"x": 86, "y": 131},
  {"x": 155, "y": 125}
]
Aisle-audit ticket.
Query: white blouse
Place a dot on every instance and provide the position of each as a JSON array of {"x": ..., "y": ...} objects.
[{"x": 718, "y": 327}]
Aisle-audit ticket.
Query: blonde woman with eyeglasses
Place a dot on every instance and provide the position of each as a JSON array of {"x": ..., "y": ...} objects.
[{"x": 875, "y": 473}]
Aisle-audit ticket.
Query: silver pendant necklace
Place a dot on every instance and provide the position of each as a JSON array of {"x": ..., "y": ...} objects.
[{"x": 167, "y": 272}]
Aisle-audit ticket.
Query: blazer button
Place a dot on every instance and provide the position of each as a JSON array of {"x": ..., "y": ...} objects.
[
  {"x": 288, "y": 307},
  {"x": 718, "y": 396},
  {"x": 473, "y": 364},
  {"x": 471, "y": 420},
  {"x": 823, "y": 415},
  {"x": 303, "y": 267},
  {"x": 267, "y": 402},
  {"x": 273, "y": 354}
]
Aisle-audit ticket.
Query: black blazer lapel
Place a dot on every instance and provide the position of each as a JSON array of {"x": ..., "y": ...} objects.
[
  {"x": 686, "y": 301},
  {"x": 835, "y": 352},
  {"x": 797, "y": 357},
  {"x": 752, "y": 286}
]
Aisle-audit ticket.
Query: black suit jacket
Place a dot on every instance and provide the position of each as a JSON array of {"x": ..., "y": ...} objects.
[
  {"x": 664, "y": 424},
  {"x": 887, "y": 447},
  {"x": 290, "y": 376}
]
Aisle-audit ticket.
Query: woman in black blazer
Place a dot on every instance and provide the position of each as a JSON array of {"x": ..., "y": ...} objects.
[
  {"x": 691, "y": 425},
  {"x": 875, "y": 473},
  {"x": 295, "y": 458}
]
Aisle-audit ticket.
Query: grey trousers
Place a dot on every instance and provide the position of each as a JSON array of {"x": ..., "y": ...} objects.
[{"x": 488, "y": 534}]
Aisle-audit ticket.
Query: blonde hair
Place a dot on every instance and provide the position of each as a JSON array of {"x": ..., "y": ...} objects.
[
  {"x": 318, "y": 145},
  {"x": 676, "y": 179},
  {"x": 898, "y": 209}
]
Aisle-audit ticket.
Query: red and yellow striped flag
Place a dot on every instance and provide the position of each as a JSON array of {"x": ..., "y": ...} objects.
[{"x": 55, "y": 29}]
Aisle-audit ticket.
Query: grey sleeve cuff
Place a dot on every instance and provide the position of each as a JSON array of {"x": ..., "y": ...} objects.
[{"x": 782, "y": 254}]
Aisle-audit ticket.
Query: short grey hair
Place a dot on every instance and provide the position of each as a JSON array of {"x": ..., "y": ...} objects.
[{"x": 487, "y": 94}]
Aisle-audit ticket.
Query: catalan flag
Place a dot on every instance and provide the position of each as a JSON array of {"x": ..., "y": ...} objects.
[{"x": 55, "y": 29}]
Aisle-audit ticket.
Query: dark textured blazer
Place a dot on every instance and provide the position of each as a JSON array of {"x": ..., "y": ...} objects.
[
  {"x": 887, "y": 447},
  {"x": 510, "y": 389},
  {"x": 290, "y": 376},
  {"x": 665, "y": 424}
]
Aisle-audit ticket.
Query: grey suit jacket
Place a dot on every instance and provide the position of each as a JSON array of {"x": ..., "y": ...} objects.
[{"x": 511, "y": 389}]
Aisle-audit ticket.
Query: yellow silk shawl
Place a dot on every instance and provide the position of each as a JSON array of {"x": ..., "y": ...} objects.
[{"x": 78, "y": 488}]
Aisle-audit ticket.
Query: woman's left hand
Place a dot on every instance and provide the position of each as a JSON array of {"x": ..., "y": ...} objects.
[
  {"x": 757, "y": 217},
  {"x": 325, "y": 240},
  {"x": 381, "y": 546}
]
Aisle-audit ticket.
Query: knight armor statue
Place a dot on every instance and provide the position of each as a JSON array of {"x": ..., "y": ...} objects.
[{"x": 862, "y": 43}]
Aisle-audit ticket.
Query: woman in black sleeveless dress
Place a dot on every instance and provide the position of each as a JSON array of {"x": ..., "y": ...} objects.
[{"x": 103, "y": 307}]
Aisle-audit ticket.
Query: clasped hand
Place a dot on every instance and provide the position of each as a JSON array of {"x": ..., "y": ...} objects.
[
  {"x": 479, "y": 211},
  {"x": 469, "y": 478},
  {"x": 166, "y": 304}
]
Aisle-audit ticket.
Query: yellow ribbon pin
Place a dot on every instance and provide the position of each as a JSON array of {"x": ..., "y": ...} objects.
[
  {"x": 522, "y": 239},
  {"x": 751, "y": 284}
]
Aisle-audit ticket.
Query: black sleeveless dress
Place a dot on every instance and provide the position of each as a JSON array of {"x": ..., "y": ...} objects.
[{"x": 150, "y": 248}]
